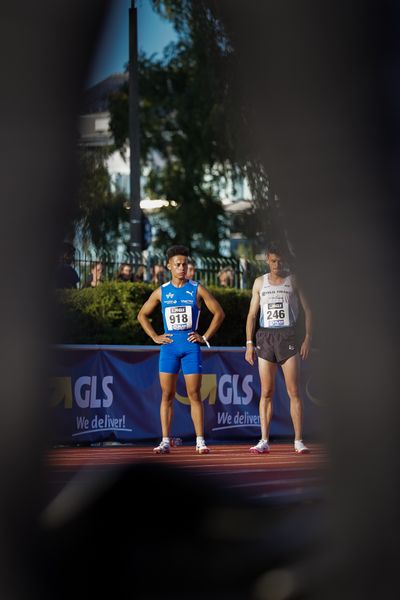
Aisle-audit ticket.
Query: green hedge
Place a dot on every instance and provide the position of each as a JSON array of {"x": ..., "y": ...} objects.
[{"x": 107, "y": 315}]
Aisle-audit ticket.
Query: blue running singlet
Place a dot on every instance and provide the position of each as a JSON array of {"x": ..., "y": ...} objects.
[{"x": 180, "y": 316}]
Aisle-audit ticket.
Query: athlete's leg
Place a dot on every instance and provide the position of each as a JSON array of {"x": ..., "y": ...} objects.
[
  {"x": 193, "y": 385},
  {"x": 168, "y": 388},
  {"x": 267, "y": 371},
  {"x": 290, "y": 370}
]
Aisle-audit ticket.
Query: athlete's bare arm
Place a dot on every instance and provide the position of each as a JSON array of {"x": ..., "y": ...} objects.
[
  {"x": 143, "y": 317},
  {"x": 306, "y": 345},
  {"x": 215, "y": 309},
  {"x": 251, "y": 319}
]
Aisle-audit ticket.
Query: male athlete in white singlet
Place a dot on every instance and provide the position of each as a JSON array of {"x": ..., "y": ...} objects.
[{"x": 277, "y": 298}]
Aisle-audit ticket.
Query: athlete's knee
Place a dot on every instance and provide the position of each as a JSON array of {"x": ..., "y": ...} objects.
[
  {"x": 167, "y": 396},
  {"x": 193, "y": 388},
  {"x": 194, "y": 397},
  {"x": 293, "y": 393},
  {"x": 267, "y": 394}
]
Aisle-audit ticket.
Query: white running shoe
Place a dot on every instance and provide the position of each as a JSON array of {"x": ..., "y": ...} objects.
[
  {"x": 300, "y": 448},
  {"x": 201, "y": 448},
  {"x": 163, "y": 448},
  {"x": 260, "y": 448}
]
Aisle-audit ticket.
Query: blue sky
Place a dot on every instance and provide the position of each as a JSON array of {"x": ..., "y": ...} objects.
[{"x": 112, "y": 51}]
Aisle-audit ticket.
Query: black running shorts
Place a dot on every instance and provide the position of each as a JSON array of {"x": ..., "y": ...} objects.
[{"x": 276, "y": 345}]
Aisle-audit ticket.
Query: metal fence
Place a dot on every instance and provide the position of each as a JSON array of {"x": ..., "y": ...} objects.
[{"x": 211, "y": 271}]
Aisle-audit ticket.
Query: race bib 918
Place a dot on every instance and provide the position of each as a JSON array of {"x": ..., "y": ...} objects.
[
  {"x": 178, "y": 317},
  {"x": 276, "y": 314}
]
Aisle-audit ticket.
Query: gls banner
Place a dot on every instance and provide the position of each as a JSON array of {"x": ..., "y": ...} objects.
[{"x": 101, "y": 393}]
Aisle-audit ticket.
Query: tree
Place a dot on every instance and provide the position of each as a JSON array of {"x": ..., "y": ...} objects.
[
  {"x": 194, "y": 131},
  {"x": 184, "y": 134},
  {"x": 100, "y": 214}
]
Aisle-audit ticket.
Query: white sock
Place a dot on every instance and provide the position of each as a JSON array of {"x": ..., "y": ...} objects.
[
  {"x": 165, "y": 440},
  {"x": 264, "y": 440},
  {"x": 199, "y": 439}
]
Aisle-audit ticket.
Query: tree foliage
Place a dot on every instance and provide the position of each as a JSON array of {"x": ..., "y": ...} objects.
[
  {"x": 186, "y": 142},
  {"x": 100, "y": 214},
  {"x": 194, "y": 131}
]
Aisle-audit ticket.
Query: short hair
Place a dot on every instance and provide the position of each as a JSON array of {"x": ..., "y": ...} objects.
[
  {"x": 191, "y": 262},
  {"x": 274, "y": 248},
  {"x": 177, "y": 251}
]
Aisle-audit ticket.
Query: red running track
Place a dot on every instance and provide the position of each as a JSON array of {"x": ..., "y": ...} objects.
[{"x": 280, "y": 476}]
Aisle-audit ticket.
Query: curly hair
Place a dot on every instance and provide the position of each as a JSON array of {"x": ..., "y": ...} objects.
[{"x": 177, "y": 251}]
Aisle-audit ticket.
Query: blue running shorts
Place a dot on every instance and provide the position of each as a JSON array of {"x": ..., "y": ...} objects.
[{"x": 181, "y": 354}]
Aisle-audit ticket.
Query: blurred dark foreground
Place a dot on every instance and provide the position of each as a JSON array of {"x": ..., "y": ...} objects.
[{"x": 319, "y": 81}]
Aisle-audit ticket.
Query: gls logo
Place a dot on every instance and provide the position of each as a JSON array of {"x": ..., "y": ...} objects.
[
  {"x": 86, "y": 391},
  {"x": 228, "y": 389},
  {"x": 208, "y": 390}
]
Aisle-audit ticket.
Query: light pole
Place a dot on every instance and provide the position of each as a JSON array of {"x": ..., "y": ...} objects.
[{"x": 135, "y": 214}]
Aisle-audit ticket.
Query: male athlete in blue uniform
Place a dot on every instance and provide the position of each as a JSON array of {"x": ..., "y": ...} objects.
[
  {"x": 180, "y": 301},
  {"x": 277, "y": 298}
]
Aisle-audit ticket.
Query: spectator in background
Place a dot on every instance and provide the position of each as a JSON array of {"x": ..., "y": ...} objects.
[
  {"x": 125, "y": 272},
  {"x": 158, "y": 274},
  {"x": 226, "y": 277},
  {"x": 140, "y": 273},
  {"x": 94, "y": 278},
  {"x": 191, "y": 269},
  {"x": 65, "y": 275}
]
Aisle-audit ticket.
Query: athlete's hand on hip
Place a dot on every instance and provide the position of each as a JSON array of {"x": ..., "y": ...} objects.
[
  {"x": 164, "y": 338},
  {"x": 195, "y": 337},
  {"x": 249, "y": 356}
]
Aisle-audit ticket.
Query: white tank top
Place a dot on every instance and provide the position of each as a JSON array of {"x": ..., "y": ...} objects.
[{"x": 279, "y": 304}]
